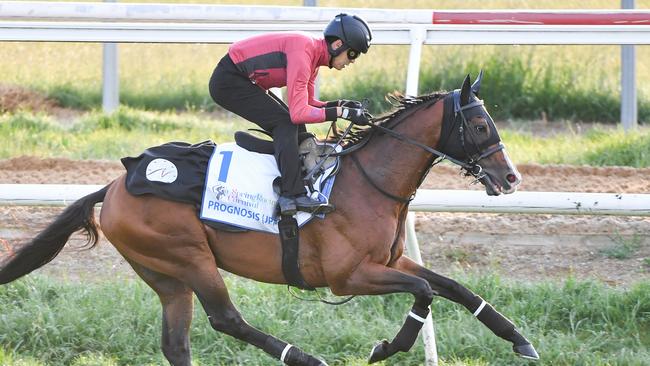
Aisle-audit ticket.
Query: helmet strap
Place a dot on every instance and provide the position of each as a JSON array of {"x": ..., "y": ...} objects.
[{"x": 335, "y": 52}]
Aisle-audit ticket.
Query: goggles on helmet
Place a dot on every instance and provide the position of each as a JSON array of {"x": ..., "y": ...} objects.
[{"x": 353, "y": 54}]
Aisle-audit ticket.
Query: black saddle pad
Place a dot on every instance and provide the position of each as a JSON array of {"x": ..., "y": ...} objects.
[
  {"x": 189, "y": 162},
  {"x": 173, "y": 171}
]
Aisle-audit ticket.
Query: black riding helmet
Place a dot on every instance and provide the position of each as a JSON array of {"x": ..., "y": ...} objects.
[{"x": 352, "y": 30}]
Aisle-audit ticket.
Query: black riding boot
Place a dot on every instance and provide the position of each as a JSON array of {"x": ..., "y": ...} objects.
[
  {"x": 289, "y": 205},
  {"x": 293, "y": 195}
]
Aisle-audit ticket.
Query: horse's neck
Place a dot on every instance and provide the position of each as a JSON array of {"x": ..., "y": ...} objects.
[{"x": 397, "y": 166}]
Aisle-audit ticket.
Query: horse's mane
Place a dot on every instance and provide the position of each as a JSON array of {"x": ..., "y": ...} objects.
[{"x": 401, "y": 103}]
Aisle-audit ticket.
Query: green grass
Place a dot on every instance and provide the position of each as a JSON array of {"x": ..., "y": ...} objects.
[
  {"x": 574, "y": 323},
  {"x": 129, "y": 131},
  {"x": 98, "y": 136},
  {"x": 521, "y": 82},
  {"x": 528, "y": 82},
  {"x": 596, "y": 147}
]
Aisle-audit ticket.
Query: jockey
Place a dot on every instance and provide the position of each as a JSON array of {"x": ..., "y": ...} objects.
[{"x": 252, "y": 66}]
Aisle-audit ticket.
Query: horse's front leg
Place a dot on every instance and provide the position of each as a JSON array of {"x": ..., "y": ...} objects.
[
  {"x": 452, "y": 290},
  {"x": 375, "y": 279}
]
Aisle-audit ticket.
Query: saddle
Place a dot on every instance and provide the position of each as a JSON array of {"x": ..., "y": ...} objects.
[{"x": 310, "y": 150}]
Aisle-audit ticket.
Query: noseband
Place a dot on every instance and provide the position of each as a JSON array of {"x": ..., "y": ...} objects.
[{"x": 471, "y": 166}]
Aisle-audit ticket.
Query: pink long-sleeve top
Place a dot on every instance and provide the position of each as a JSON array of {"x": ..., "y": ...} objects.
[{"x": 288, "y": 59}]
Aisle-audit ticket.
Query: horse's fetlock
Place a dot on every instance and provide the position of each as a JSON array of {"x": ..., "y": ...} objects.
[
  {"x": 381, "y": 352},
  {"x": 517, "y": 339},
  {"x": 296, "y": 357}
]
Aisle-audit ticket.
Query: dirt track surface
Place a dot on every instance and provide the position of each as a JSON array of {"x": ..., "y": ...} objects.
[{"x": 520, "y": 247}]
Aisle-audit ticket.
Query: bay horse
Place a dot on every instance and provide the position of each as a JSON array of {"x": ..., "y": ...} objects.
[{"x": 356, "y": 250}]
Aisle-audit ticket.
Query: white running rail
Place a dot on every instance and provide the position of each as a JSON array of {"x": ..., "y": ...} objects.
[{"x": 426, "y": 200}]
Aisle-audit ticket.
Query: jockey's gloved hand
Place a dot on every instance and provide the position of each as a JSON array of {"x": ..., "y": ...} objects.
[
  {"x": 351, "y": 104},
  {"x": 344, "y": 103},
  {"x": 357, "y": 116}
]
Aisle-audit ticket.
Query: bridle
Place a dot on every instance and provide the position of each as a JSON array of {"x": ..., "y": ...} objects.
[{"x": 470, "y": 165}]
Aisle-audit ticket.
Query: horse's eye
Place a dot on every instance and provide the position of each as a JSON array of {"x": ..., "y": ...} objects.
[{"x": 481, "y": 129}]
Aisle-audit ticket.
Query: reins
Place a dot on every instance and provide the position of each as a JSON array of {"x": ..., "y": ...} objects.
[
  {"x": 320, "y": 298},
  {"x": 410, "y": 141},
  {"x": 471, "y": 167}
]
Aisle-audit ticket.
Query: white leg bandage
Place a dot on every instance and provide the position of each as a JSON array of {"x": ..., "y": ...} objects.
[
  {"x": 285, "y": 351},
  {"x": 416, "y": 317},
  {"x": 478, "y": 311}
]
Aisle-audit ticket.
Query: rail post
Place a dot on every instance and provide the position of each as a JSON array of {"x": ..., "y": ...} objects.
[
  {"x": 629, "y": 108},
  {"x": 110, "y": 76},
  {"x": 418, "y": 35},
  {"x": 428, "y": 333}
]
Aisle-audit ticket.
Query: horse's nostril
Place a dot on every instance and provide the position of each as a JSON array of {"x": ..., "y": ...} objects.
[{"x": 511, "y": 178}]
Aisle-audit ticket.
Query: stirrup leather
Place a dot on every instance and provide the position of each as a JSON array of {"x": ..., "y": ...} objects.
[{"x": 290, "y": 240}]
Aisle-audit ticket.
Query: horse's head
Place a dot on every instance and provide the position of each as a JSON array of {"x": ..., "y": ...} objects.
[{"x": 470, "y": 136}]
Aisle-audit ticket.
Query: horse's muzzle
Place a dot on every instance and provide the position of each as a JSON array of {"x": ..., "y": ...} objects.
[{"x": 491, "y": 188}]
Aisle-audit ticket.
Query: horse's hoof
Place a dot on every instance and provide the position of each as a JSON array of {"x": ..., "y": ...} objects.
[
  {"x": 379, "y": 352},
  {"x": 526, "y": 351}
]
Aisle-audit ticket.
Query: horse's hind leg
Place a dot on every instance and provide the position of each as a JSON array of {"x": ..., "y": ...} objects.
[
  {"x": 224, "y": 317},
  {"x": 452, "y": 290},
  {"x": 177, "y": 305}
]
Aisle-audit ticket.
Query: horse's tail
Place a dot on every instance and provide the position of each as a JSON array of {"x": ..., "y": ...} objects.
[{"x": 47, "y": 245}]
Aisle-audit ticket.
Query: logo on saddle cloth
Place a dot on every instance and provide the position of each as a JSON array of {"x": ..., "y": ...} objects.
[
  {"x": 239, "y": 189},
  {"x": 161, "y": 170}
]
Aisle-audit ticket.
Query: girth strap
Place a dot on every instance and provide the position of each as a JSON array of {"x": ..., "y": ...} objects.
[{"x": 288, "y": 227}]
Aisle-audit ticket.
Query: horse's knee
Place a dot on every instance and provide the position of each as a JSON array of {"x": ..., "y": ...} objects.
[
  {"x": 228, "y": 322},
  {"x": 424, "y": 294}
]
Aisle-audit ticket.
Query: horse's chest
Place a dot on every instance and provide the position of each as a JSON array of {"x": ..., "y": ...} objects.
[{"x": 383, "y": 248}]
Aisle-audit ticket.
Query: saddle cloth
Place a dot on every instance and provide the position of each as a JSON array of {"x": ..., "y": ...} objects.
[
  {"x": 238, "y": 183},
  {"x": 239, "y": 189}
]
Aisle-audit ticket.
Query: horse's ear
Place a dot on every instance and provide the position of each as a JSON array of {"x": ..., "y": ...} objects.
[
  {"x": 465, "y": 91},
  {"x": 477, "y": 83}
]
